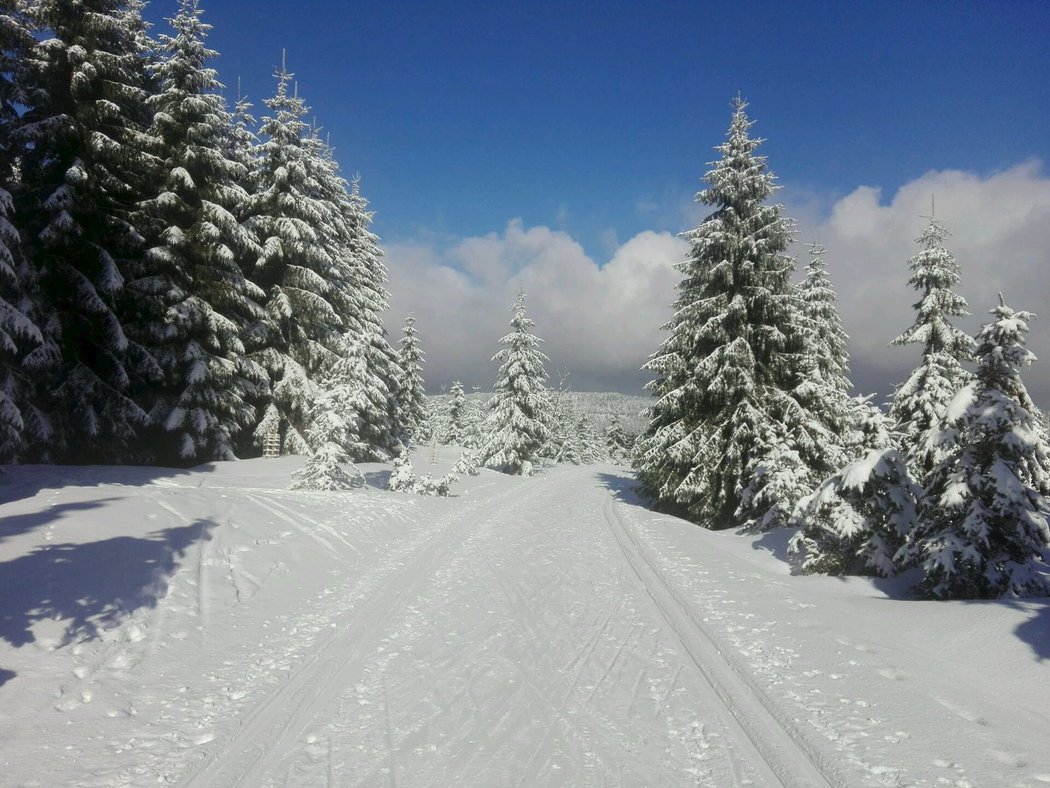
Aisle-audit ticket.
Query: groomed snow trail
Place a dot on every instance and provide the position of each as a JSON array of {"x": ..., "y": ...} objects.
[
  {"x": 273, "y": 727},
  {"x": 529, "y": 643},
  {"x": 214, "y": 628},
  {"x": 777, "y": 741}
]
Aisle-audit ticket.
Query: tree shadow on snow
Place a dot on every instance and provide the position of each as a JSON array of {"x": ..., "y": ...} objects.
[
  {"x": 775, "y": 542},
  {"x": 91, "y": 586},
  {"x": 378, "y": 480},
  {"x": 6, "y": 676},
  {"x": 625, "y": 488},
  {"x": 1036, "y": 630},
  {"x": 25, "y": 481},
  {"x": 13, "y": 525}
]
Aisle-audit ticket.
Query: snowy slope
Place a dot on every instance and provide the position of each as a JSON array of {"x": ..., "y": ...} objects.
[{"x": 212, "y": 628}]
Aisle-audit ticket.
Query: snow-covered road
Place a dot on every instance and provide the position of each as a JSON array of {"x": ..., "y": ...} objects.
[{"x": 543, "y": 631}]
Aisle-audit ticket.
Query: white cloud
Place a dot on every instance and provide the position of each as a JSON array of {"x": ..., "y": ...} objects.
[
  {"x": 1000, "y": 226},
  {"x": 601, "y": 322}
]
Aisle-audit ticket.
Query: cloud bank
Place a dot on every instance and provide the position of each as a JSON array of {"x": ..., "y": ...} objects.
[
  {"x": 1000, "y": 236},
  {"x": 599, "y": 322},
  {"x": 601, "y": 319}
]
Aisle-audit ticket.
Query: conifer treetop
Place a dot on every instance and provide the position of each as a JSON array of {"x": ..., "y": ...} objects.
[{"x": 934, "y": 273}]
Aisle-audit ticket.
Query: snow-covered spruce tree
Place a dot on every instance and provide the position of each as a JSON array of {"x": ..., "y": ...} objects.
[
  {"x": 22, "y": 426},
  {"x": 411, "y": 391},
  {"x": 357, "y": 282},
  {"x": 619, "y": 446},
  {"x": 362, "y": 402},
  {"x": 18, "y": 337},
  {"x": 340, "y": 418},
  {"x": 919, "y": 403},
  {"x": 453, "y": 418},
  {"x": 515, "y": 428},
  {"x": 85, "y": 166},
  {"x": 473, "y": 420},
  {"x": 827, "y": 349},
  {"x": 985, "y": 517},
  {"x": 243, "y": 145},
  {"x": 295, "y": 270},
  {"x": 591, "y": 446},
  {"x": 562, "y": 444},
  {"x": 330, "y": 431},
  {"x": 857, "y": 520},
  {"x": 193, "y": 302},
  {"x": 726, "y": 422}
]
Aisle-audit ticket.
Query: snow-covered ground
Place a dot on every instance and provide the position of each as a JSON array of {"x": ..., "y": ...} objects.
[{"x": 212, "y": 628}]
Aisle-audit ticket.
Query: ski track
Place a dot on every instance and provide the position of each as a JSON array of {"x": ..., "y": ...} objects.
[
  {"x": 532, "y": 633},
  {"x": 527, "y": 658},
  {"x": 766, "y": 734},
  {"x": 272, "y": 727}
]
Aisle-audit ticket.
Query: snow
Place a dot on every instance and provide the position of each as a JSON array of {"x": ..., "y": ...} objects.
[{"x": 211, "y": 627}]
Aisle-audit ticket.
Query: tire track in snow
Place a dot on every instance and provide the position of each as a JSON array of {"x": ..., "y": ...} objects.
[
  {"x": 274, "y": 727},
  {"x": 772, "y": 743}
]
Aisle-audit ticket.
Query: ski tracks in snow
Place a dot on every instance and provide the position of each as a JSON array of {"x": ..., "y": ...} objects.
[
  {"x": 273, "y": 727},
  {"x": 534, "y": 655},
  {"x": 769, "y": 739}
]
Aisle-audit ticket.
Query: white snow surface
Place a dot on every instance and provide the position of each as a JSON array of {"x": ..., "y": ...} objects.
[{"x": 212, "y": 627}]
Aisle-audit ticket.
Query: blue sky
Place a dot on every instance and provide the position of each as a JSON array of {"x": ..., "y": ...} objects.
[
  {"x": 595, "y": 121},
  {"x": 596, "y": 116}
]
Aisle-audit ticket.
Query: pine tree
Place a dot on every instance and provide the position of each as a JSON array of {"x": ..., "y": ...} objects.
[
  {"x": 22, "y": 426},
  {"x": 411, "y": 392},
  {"x": 592, "y": 450},
  {"x": 364, "y": 404},
  {"x": 619, "y": 446},
  {"x": 515, "y": 427},
  {"x": 826, "y": 351},
  {"x": 919, "y": 403},
  {"x": 194, "y": 303},
  {"x": 473, "y": 421},
  {"x": 19, "y": 336},
  {"x": 85, "y": 167},
  {"x": 294, "y": 269},
  {"x": 857, "y": 520},
  {"x": 725, "y": 422},
  {"x": 369, "y": 283},
  {"x": 560, "y": 416},
  {"x": 453, "y": 420},
  {"x": 341, "y": 420},
  {"x": 243, "y": 145},
  {"x": 985, "y": 517}
]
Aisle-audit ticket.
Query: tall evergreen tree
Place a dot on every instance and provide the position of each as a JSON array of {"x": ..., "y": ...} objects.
[
  {"x": 22, "y": 426},
  {"x": 85, "y": 167},
  {"x": 339, "y": 425},
  {"x": 516, "y": 428},
  {"x": 725, "y": 422},
  {"x": 19, "y": 335},
  {"x": 369, "y": 281},
  {"x": 243, "y": 144},
  {"x": 985, "y": 517},
  {"x": 619, "y": 446},
  {"x": 826, "y": 384},
  {"x": 411, "y": 392},
  {"x": 294, "y": 269},
  {"x": 453, "y": 420},
  {"x": 919, "y": 403},
  {"x": 193, "y": 301}
]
